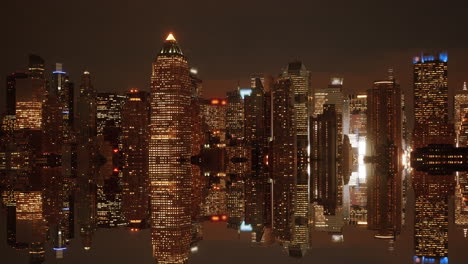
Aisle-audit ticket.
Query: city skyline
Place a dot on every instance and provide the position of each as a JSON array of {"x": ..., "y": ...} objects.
[{"x": 374, "y": 158}]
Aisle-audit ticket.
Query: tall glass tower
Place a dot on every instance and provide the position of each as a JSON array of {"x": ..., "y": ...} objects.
[{"x": 169, "y": 155}]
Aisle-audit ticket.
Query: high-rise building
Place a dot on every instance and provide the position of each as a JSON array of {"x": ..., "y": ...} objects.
[
  {"x": 214, "y": 117},
  {"x": 87, "y": 108},
  {"x": 303, "y": 109},
  {"x": 198, "y": 138},
  {"x": 169, "y": 155},
  {"x": 284, "y": 159},
  {"x": 430, "y": 89},
  {"x": 324, "y": 185},
  {"x": 432, "y": 188},
  {"x": 64, "y": 90},
  {"x": 384, "y": 120},
  {"x": 256, "y": 135},
  {"x": 460, "y": 114},
  {"x": 235, "y": 114},
  {"x": 357, "y": 113},
  {"x": 135, "y": 120},
  {"x": 109, "y": 116}
]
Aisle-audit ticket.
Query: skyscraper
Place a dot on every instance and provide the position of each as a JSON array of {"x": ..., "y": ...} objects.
[
  {"x": 432, "y": 189},
  {"x": 109, "y": 116},
  {"x": 303, "y": 94},
  {"x": 135, "y": 120},
  {"x": 169, "y": 154},
  {"x": 284, "y": 159},
  {"x": 385, "y": 149},
  {"x": 460, "y": 114},
  {"x": 430, "y": 90}
]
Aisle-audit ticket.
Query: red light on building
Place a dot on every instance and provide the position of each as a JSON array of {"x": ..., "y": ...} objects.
[
  {"x": 223, "y": 102},
  {"x": 115, "y": 150},
  {"x": 215, "y": 218},
  {"x": 224, "y": 217},
  {"x": 214, "y": 101},
  {"x": 116, "y": 170}
]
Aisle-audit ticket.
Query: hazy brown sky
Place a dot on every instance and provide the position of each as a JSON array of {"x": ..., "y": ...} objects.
[{"x": 227, "y": 40}]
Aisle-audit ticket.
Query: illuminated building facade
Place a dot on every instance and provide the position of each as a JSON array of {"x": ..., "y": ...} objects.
[
  {"x": 235, "y": 114},
  {"x": 198, "y": 138},
  {"x": 214, "y": 117},
  {"x": 87, "y": 108},
  {"x": 64, "y": 89},
  {"x": 109, "y": 116},
  {"x": 432, "y": 187},
  {"x": 461, "y": 116},
  {"x": 256, "y": 133},
  {"x": 135, "y": 181},
  {"x": 169, "y": 155},
  {"x": 384, "y": 131},
  {"x": 284, "y": 159},
  {"x": 302, "y": 89},
  {"x": 357, "y": 113},
  {"x": 324, "y": 185},
  {"x": 430, "y": 89}
]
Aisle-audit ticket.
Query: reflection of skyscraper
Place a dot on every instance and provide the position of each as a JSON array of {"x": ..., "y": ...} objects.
[
  {"x": 302, "y": 89},
  {"x": 169, "y": 155},
  {"x": 324, "y": 186},
  {"x": 432, "y": 189},
  {"x": 461, "y": 116},
  {"x": 135, "y": 120},
  {"x": 284, "y": 159},
  {"x": 430, "y": 92},
  {"x": 385, "y": 139},
  {"x": 255, "y": 133}
]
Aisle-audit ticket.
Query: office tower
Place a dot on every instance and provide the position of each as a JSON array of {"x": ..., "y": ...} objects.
[
  {"x": 266, "y": 80},
  {"x": 235, "y": 114},
  {"x": 198, "y": 138},
  {"x": 11, "y": 91},
  {"x": 432, "y": 188},
  {"x": 30, "y": 223},
  {"x": 460, "y": 114},
  {"x": 430, "y": 91},
  {"x": 284, "y": 159},
  {"x": 255, "y": 133},
  {"x": 214, "y": 117},
  {"x": 64, "y": 90},
  {"x": 324, "y": 185},
  {"x": 36, "y": 67},
  {"x": 109, "y": 116},
  {"x": 135, "y": 120},
  {"x": 169, "y": 155},
  {"x": 53, "y": 136},
  {"x": 357, "y": 113},
  {"x": 384, "y": 200},
  {"x": 87, "y": 108},
  {"x": 303, "y": 109}
]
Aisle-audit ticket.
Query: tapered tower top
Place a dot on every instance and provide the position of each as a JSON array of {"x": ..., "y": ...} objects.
[{"x": 170, "y": 47}]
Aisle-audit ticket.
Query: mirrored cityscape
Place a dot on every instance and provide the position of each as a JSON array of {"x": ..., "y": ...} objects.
[{"x": 275, "y": 171}]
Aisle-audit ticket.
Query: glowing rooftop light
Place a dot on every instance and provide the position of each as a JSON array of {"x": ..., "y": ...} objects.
[
  {"x": 170, "y": 37},
  {"x": 86, "y": 72},
  {"x": 464, "y": 87}
]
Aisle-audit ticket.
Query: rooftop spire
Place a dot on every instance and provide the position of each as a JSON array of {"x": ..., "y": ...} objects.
[
  {"x": 170, "y": 47},
  {"x": 170, "y": 37}
]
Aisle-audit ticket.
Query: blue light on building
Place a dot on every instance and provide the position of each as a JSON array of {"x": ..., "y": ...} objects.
[
  {"x": 443, "y": 56},
  {"x": 245, "y": 92},
  {"x": 59, "y": 72},
  {"x": 246, "y": 228}
]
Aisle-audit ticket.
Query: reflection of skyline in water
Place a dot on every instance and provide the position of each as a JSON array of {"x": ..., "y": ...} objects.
[{"x": 172, "y": 172}]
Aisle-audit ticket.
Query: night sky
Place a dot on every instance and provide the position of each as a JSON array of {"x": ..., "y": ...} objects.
[{"x": 227, "y": 40}]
